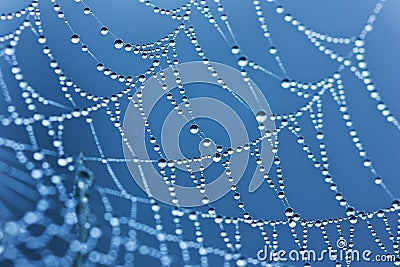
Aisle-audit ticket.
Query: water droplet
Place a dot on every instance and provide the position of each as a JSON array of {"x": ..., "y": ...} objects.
[
  {"x": 142, "y": 78},
  {"x": 235, "y": 50},
  {"x": 350, "y": 211},
  {"x": 104, "y": 30},
  {"x": 380, "y": 213},
  {"x": 75, "y": 39},
  {"x": 261, "y": 116},
  {"x": 42, "y": 39},
  {"x": 192, "y": 216},
  {"x": 292, "y": 224},
  {"x": 86, "y": 11},
  {"x": 242, "y": 61},
  {"x": 207, "y": 142},
  {"x": 194, "y": 129},
  {"x": 320, "y": 136},
  {"x": 162, "y": 163},
  {"x": 359, "y": 43},
  {"x": 95, "y": 232},
  {"x": 155, "y": 207},
  {"x": 30, "y": 217},
  {"x": 285, "y": 84},
  {"x": 367, "y": 163},
  {"x": 118, "y": 44},
  {"x": 396, "y": 203},
  {"x": 217, "y": 157},
  {"x": 36, "y": 173},
  {"x": 280, "y": 9},
  {"x": 9, "y": 51},
  {"x": 38, "y": 156},
  {"x": 62, "y": 162},
  {"x": 241, "y": 262},
  {"x": 289, "y": 212},
  {"x": 56, "y": 179},
  {"x": 205, "y": 200}
]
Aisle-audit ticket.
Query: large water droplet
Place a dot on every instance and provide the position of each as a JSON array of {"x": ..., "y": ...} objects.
[
  {"x": 261, "y": 116},
  {"x": 75, "y": 39},
  {"x": 241, "y": 262},
  {"x": 207, "y": 142},
  {"x": 289, "y": 212},
  {"x": 217, "y": 157},
  {"x": 118, "y": 44},
  {"x": 205, "y": 200},
  {"x": 359, "y": 43},
  {"x": 86, "y": 11},
  {"x": 285, "y": 84},
  {"x": 350, "y": 211},
  {"x": 272, "y": 50},
  {"x": 142, "y": 78},
  {"x": 242, "y": 61},
  {"x": 38, "y": 156},
  {"x": 162, "y": 163},
  {"x": 62, "y": 162},
  {"x": 378, "y": 180},
  {"x": 9, "y": 51},
  {"x": 104, "y": 30},
  {"x": 194, "y": 129}
]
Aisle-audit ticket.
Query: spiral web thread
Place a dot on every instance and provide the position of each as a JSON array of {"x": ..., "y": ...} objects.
[{"x": 40, "y": 175}]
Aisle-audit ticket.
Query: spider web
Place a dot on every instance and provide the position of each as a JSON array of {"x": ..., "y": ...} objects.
[{"x": 62, "y": 206}]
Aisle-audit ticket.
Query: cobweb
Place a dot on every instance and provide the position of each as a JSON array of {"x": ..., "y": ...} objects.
[{"x": 63, "y": 206}]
